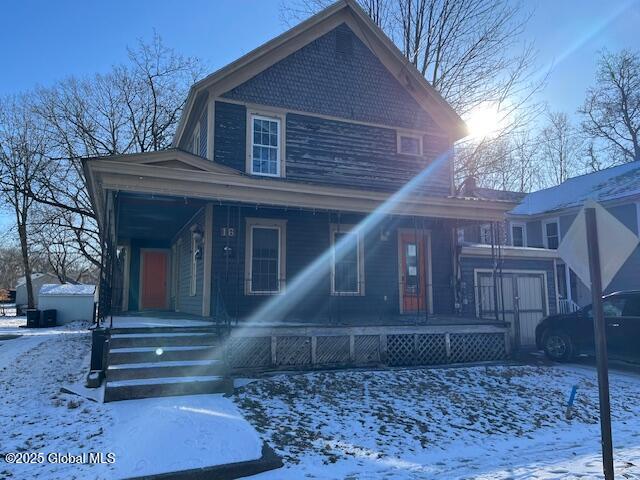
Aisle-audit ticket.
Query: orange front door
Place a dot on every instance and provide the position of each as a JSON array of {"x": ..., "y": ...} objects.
[
  {"x": 413, "y": 262},
  {"x": 154, "y": 279}
]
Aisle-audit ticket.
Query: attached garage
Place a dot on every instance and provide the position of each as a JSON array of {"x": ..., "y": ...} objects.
[{"x": 518, "y": 288}]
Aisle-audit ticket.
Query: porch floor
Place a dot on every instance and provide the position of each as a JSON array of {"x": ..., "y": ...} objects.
[{"x": 175, "y": 319}]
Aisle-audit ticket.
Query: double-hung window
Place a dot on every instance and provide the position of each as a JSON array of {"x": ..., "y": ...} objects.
[
  {"x": 518, "y": 235},
  {"x": 551, "y": 234},
  {"x": 347, "y": 267},
  {"x": 266, "y": 145},
  {"x": 265, "y": 256}
]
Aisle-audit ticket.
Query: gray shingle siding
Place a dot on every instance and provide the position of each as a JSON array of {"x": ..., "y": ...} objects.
[
  {"x": 333, "y": 152},
  {"x": 307, "y": 240},
  {"x": 354, "y": 86},
  {"x": 355, "y": 155},
  {"x": 199, "y": 109},
  {"x": 230, "y": 135},
  {"x": 186, "y": 302}
]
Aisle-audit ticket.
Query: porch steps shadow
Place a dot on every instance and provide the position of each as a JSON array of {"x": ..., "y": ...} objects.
[{"x": 164, "y": 361}]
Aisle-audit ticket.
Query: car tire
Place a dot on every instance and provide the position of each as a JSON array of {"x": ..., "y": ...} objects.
[{"x": 558, "y": 346}]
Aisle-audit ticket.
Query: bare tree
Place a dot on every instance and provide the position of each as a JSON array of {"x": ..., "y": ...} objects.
[
  {"x": 58, "y": 247},
  {"x": 10, "y": 266},
  {"x": 560, "y": 149},
  {"x": 509, "y": 163},
  {"x": 22, "y": 162},
  {"x": 471, "y": 51},
  {"x": 134, "y": 108},
  {"x": 294, "y": 12},
  {"x": 611, "y": 111}
]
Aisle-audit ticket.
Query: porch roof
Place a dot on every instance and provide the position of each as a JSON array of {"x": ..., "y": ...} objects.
[{"x": 178, "y": 173}]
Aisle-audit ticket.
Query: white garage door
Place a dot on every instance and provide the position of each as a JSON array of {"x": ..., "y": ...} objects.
[{"x": 521, "y": 300}]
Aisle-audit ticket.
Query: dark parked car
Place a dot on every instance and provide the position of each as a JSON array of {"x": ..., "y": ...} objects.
[{"x": 566, "y": 335}]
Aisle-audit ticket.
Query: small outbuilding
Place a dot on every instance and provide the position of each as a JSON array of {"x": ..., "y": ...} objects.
[
  {"x": 71, "y": 302},
  {"x": 38, "y": 279}
]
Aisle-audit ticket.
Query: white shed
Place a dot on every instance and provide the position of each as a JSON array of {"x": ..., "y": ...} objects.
[{"x": 71, "y": 302}]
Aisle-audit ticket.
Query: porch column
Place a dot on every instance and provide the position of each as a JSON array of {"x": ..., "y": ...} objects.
[{"x": 207, "y": 258}]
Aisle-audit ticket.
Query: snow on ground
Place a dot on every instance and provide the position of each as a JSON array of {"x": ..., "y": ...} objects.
[
  {"x": 34, "y": 415},
  {"x": 489, "y": 422},
  {"x": 147, "y": 436}
]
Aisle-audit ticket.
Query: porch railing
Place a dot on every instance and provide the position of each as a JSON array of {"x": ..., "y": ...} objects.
[{"x": 566, "y": 305}]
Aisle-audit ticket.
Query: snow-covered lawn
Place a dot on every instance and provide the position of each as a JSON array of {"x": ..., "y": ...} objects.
[
  {"x": 147, "y": 436},
  {"x": 485, "y": 422}
]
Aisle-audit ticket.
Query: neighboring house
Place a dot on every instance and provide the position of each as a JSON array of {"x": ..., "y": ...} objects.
[
  {"x": 309, "y": 182},
  {"x": 543, "y": 218},
  {"x": 37, "y": 280}
]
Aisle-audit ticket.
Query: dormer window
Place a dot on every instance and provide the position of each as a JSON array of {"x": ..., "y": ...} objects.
[
  {"x": 409, "y": 144},
  {"x": 265, "y": 145}
]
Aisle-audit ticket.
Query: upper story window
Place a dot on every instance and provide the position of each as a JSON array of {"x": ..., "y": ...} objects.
[
  {"x": 409, "y": 144},
  {"x": 265, "y": 145},
  {"x": 518, "y": 235},
  {"x": 551, "y": 234}
]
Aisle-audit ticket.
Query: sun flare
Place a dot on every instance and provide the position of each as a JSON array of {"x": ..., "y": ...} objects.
[{"x": 483, "y": 121}]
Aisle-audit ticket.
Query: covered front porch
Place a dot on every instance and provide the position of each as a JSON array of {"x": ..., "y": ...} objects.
[{"x": 235, "y": 263}]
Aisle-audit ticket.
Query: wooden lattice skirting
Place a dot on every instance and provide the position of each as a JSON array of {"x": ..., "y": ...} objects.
[{"x": 264, "y": 348}]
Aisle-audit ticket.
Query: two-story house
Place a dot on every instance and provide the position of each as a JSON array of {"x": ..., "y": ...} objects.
[
  {"x": 542, "y": 219},
  {"x": 309, "y": 185}
]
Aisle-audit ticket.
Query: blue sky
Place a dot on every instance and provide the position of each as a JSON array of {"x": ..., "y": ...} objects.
[{"x": 44, "y": 41}]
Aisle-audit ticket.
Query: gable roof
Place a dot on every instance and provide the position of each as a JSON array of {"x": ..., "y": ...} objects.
[
  {"x": 343, "y": 11},
  {"x": 36, "y": 276},
  {"x": 171, "y": 157},
  {"x": 605, "y": 185}
]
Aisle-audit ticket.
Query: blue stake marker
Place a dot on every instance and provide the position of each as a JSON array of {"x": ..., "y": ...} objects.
[{"x": 572, "y": 398}]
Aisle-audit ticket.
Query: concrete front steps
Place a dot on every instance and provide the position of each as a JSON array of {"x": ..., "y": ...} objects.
[{"x": 158, "y": 362}]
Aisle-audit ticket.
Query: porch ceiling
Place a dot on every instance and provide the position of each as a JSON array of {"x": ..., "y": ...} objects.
[{"x": 156, "y": 217}]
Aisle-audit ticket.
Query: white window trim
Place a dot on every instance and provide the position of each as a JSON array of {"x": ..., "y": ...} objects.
[
  {"x": 545, "y": 242},
  {"x": 524, "y": 232},
  {"x": 417, "y": 136},
  {"x": 273, "y": 117},
  {"x": 281, "y": 226},
  {"x": 341, "y": 228},
  {"x": 193, "y": 268}
]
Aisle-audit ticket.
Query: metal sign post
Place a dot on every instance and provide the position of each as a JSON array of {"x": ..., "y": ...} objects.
[{"x": 600, "y": 342}]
